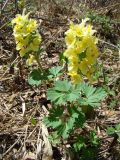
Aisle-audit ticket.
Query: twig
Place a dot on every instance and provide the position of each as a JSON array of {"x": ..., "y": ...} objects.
[
  {"x": 108, "y": 7},
  {"x": 39, "y": 144},
  {"x": 4, "y": 5},
  {"x": 8, "y": 69},
  {"x": 11, "y": 146},
  {"x": 69, "y": 11},
  {"x": 110, "y": 44}
]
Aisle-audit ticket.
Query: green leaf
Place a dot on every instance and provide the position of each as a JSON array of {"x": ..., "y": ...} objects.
[
  {"x": 53, "y": 120},
  {"x": 80, "y": 143},
  {"x": 54, "y": 138},
  {"x": 93, "y": 138},
  {"x": 63, "y": 86},
  {"x": 33, "y": 121},
  {"x": 63, "y": 92},
  {"x": 117, "y": 127},
  {"x": 55, "y": 71},
  {"x": 62, "y": 58},
  {"x": 119, "y": 137},
  {"x": 54, "y": 123},
  {"x": 63, "y": 124},
  {"x": 89, "y": 153},
  {"x": 113, "y": 103},
  {"x": 36, "y": 77},
  {"x": 69, "y": 125},
  {"x": 39, "y": 51},
  {"x": 117, "y": 130},
  {"x": 91, "y": 95},
  {"x": 80, "y": 116},
  {"x": 110, "y": 130},
  {"x": 81, "y": 120},
  {"x": 82, "y": 55}
]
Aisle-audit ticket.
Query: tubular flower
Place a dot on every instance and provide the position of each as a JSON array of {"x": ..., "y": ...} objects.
[
  {"x": 30, "y": 60},
  {"x": 26, "y": 34},
  {"x": 81, "y": 51}
]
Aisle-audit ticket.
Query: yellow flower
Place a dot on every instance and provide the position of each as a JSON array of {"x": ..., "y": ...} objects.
[
  {"x": 72, "y": 68},
  {"x": 17, "y": 29},
  {"x": 71, "y": 51},
  {"x": 33, "y": 47},
  {"x": 74, "y": 59},
  {"x": 70, "y": 37},
  {"x": 84, "y": 66},
  {"x": 92, "y": 54},
  {"x": 18, "y": 19},
  {"x": 37, "y": 40},
  {"x": 83, "y": 23},
  {"x": 19, "y": 46},
  {"x": 18, "y": 38},
  {"x": 30, "y": 60},
  {"x": 23, "y": 51},
  {"x": 89, "y": 74},
  {"x": 76, "y": 29},
  {"x": 32, "y": 25},
  {"x": 88, "y": 31},
  {"x": 76, "y": 78}
]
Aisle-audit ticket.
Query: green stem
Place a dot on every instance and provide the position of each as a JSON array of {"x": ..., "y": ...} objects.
[
  {"x": 41, "y": 68},
  {"x": 39, "y": 64}
]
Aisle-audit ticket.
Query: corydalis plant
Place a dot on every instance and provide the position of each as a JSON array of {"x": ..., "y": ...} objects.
[
  {"x": 81, "y": 51},
  {"x": 26, "y": 36}
]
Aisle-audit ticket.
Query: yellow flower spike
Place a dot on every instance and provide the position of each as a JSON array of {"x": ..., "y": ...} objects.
[
  {"x": 81, "y": 51},
  {"x": 26, "y": 34}
]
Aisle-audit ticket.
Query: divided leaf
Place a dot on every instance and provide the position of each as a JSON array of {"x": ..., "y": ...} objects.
[
  {"x": 36, "y": 77},
  {"x": 55, "y": 71},
  {"x": 63, "y": 92},
  {"x": 91, "y": 95},
  {"x": 85, "y": 94},
  {"x": 63, "y": 126}
]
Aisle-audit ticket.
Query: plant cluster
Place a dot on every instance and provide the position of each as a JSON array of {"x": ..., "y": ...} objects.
[
  {"x": 73, "y": 101},
  {"x": 71, "y": 106},
  {"x": 81, "y": 51}
]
